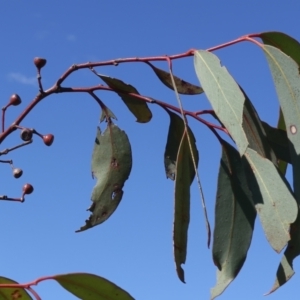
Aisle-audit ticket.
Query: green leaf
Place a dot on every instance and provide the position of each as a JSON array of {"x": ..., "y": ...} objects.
[
  {"x": 185, "y": 174},
  {"x": 255, "y": 132},
  {"x": 91, "y": 287},
  {"x": 234, "y": 219},
  {"x": 265, "y": 140},
  {"x": 12, "y": 293},
  {"x": 224, "y": 95},
  {"x": 283, "y": 42},
  {"x": 279, "y": 142},
  {"x": 274, "y": 201},
  {"x": 139, "y": 108},
  {"x": 285, "y": 72},
  {"x": 182, "y": 86},
  {"x": 111, "y": 165},
  {"x": 290, "y": 47},
  {"x": 176, "y": 130}
]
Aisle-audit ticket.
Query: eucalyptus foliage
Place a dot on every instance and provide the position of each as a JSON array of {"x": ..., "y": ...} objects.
[{"x": 252, "y": 173}]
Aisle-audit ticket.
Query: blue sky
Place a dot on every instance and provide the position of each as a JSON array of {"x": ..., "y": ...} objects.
[{"x": 134, "y": 247}]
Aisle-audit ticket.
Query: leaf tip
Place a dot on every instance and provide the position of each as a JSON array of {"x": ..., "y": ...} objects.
[
  {"x": 180, "y": 273},
  {"x": 273, "y": 289},
  {"x": 144, "y": 118}
]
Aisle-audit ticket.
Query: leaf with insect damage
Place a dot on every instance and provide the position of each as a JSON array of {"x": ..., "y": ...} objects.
[
  {"x": 12, "y": 293},
  {"x": 111, "y": 165}
]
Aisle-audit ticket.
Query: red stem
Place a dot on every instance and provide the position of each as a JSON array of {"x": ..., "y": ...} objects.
[
  {"x": 26, "y": 285},
  {"x": 148, "y": 100},
  {"x": 240, "y": 39}
]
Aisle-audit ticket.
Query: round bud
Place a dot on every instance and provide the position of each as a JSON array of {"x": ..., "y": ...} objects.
[
  {"x": 48, "y": 139},
  {"x": 39, "y": 62},
  {"x": 27, "y": 189},
  {"x": 14, "y": 100},
  {"x": 26, "y": 135},
  {"x": 17, "y": 172}
]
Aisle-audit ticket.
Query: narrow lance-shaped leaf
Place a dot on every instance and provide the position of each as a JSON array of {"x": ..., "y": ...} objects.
[
  {"x": 193, "y": 159},
  {"x": 290, "y": 47},
  {"x": 111, "y": 165},
  {"x": 182, "y": 86},
  {"x": 90, "y": 287},
  {"x": 275, "y": 203},
  {"x": 138, "y": 108},
  {"x": 234, "y": 219},
  {"x": 12, "y": 293},
  {"x": 285, "y": 72},
  {"x": 224, "y": 95},
  {"x": 176, "y": 130},
  {"x": 185, "y": 174}
]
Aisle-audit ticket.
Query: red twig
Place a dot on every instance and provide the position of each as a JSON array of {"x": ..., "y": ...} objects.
[
  {"x": 26, "y": 285},
  {"x": 240, "y": 39},
  {"x": 247, "y": 38}
]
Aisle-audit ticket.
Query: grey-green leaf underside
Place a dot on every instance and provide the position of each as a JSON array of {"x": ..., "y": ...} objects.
[
  {"x": 285, "y": 73},
  {"x": 224, "y": 95}
]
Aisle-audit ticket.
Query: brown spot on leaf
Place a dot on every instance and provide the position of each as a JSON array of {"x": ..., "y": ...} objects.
[
  {"x": 114, "y": 163},
  {"x": 16, "y": 295}
]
